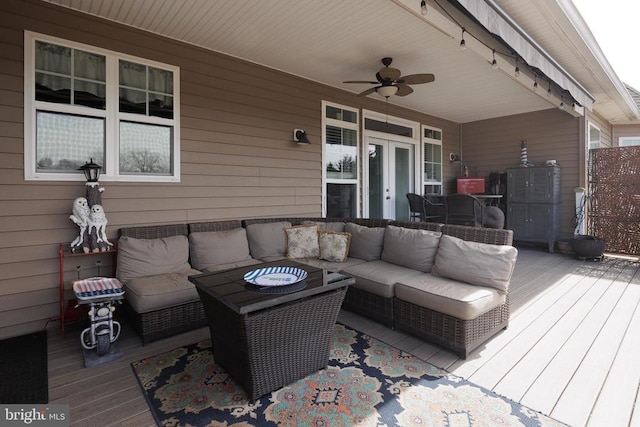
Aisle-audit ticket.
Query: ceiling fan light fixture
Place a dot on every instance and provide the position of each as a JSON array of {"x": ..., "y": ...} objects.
[
  {"x": 423, "y": 7},
  {"x": 387, "y": 91}
]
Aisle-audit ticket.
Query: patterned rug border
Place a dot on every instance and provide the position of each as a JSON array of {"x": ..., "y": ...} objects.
[{"x": 341, "y": 359}]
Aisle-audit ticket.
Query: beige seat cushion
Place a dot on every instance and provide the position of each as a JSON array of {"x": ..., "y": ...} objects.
[
  {"x": 148, "y": 257},
  {"x": 411, "y": 248},
  {"x": 448, "y": 296},
  {"x": 210, "y": 249},
  {"x": 268, "y": 240},
  {"x": 379, "y": 277},
  {"x": 479, "y": 264},
  {"x": 159, "y": 291}
]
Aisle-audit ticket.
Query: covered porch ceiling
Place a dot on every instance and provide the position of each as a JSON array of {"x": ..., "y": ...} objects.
[{"x": 334, "y": 40}]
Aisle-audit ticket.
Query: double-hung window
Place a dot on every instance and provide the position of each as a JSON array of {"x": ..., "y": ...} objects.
[
  {"x": 84, "y": 103},
  {"x": 432, "y": 141},
  {"x": 340, "y": 160}
]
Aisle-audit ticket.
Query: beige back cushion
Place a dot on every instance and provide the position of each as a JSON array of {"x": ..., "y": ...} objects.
[
  {"x": 479, "y": 264},
  {"x": 410, "y": 248},
  {"x": 366, "y": 242},
  {"x": 267, "y": 239},
  {"x": 212, "y": 248},
  {"x": 149, "y": 257}
]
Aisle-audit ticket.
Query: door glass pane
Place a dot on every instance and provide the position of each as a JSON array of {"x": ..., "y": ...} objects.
[
  {"x": 376, "y": 181},
  {"x": 403, "y": 182},
  {"x": 341, "y": 201}
]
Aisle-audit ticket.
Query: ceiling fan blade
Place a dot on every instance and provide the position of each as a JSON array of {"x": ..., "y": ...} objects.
[
  {"x": 416, "y": 79},
  {"x": 403, "y": 90},
  {"x": 388, "y": 73},
  {"x": 368, "y": 91},
  {"x": 361, "y": 81}
]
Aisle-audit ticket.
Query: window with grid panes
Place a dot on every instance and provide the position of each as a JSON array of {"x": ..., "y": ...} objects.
[
  {"x": 84, "y": 103},
  {"x": 341, "y": 160},
  {"x": 432, "y": 173}
]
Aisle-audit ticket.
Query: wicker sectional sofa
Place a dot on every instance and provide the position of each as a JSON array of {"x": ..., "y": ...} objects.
[{"x": 448, "y": 284}]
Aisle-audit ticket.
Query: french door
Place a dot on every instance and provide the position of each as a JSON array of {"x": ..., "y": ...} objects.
[{"x": 390, "y": 177}]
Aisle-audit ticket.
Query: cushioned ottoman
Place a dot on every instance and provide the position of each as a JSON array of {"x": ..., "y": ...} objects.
[{"x": 151, "y": 293}]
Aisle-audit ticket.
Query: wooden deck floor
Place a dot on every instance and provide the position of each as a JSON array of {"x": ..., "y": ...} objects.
[{"x": 571, "y": 350}]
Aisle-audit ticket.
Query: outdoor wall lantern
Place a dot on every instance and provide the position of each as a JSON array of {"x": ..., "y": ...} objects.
[
  {"x": 91, "y": 171},
  {"x": 300, "y": 136}
]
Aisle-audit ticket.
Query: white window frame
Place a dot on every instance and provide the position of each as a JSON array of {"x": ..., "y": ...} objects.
[
  {"x": 326, "y": 121},
  {"x": 111, "y": 115},
  {"x": 432, "y": 141},
  {"x": 628, "y": 141}
]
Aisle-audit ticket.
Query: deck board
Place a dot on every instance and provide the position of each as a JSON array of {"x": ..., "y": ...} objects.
[
  {"x": 547, "y": 349},
  {"x": 619, "y": 393},
  {"x": 570, "y": 350},
  {"x": 579, "y": 396},
  {"x": 548, "y": 387}
]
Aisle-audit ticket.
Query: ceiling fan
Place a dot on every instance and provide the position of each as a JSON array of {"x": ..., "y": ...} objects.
[{"x": 390, "y": 81}]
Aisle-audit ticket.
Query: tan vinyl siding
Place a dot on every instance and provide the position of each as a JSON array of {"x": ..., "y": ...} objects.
[
  {"x": 625, "y": 131},
  {"x": 494, "y": 145},
  {"x": 238, "y": 159}
]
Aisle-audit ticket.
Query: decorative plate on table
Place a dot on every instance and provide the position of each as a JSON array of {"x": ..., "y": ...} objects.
[{"x": 275, "y": 276}]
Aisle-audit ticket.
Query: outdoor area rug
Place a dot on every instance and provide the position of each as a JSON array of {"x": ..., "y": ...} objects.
[
  {"x": 367, "y": 383},
  {"x": 23, "y": 369}
]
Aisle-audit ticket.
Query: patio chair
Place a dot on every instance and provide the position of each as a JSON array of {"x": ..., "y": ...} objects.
[
  {"x": 463, "y": 209},
  {"x": 422, "y": 209}
]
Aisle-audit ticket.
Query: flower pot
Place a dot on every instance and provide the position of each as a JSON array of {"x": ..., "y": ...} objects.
[
  {"x": 564, "y": 246},
  {"x": 588, "y": 246}
]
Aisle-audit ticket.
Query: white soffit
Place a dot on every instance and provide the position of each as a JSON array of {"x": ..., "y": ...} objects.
[
  {"x": 496, "y": 21},
  {"x": 557, "y": 26},
  {"x": 331, "y": 41}
]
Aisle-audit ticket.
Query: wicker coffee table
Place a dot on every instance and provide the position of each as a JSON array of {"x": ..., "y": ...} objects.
[{"x": 266, "y": 338}]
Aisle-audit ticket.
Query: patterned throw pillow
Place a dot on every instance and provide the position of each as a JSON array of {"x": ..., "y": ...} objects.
[
  {"x": 334, "y": 246},
  {"x": 302, "y": 241}
]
